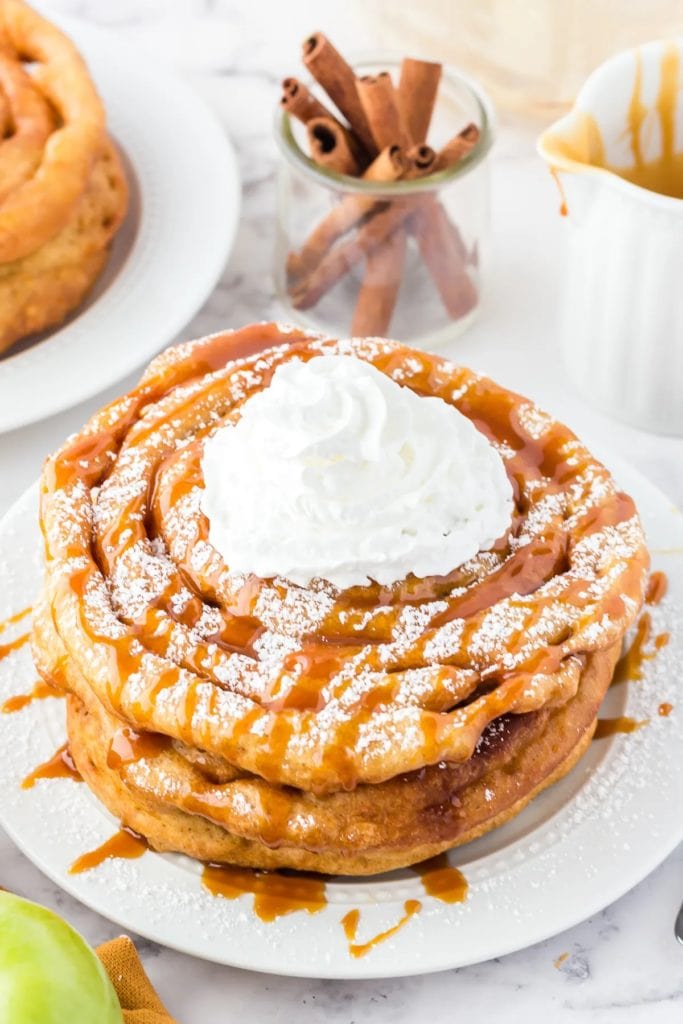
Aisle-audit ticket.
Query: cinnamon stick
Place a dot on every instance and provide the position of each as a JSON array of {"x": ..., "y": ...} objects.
[
  {"x": 457, "y": 147},
  {"x": 417, "y": 89},
  {"x": 439, "y": 240},
  {"x": 378, "y": 99},
  {"x": 338, "y": 79},
  {"x": 384, "y": 266},
  {"x": 298, "y": 100},
  {"x": 330, "y": 146},
  {"x": 339, "y": 260},
  {"x": 390, "y": 165},
  {"x": 445, "y": 256},
  {"x": 421, "y": 160}
]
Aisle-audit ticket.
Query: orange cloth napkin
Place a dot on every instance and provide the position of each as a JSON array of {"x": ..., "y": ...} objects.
[{"x": 139, "y": 1001}]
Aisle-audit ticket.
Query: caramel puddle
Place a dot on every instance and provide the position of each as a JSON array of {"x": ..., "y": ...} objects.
[
  {"x": 275, "y": 893},
  {"x": 441, "y": 880}
]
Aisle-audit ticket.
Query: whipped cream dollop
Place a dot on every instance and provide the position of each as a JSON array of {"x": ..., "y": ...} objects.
[{"x": 335, "y": 471}]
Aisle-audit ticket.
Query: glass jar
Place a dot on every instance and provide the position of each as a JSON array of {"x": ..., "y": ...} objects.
[{"x": 403, "y": 258}]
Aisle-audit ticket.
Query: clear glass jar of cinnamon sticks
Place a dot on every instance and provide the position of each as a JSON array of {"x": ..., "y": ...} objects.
[{"x": 383, "y": 198}]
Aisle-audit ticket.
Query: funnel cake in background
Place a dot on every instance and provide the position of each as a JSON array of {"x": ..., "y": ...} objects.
[
  {"x": 63, "y": 192},
  {"x": 352, "y": 730}
]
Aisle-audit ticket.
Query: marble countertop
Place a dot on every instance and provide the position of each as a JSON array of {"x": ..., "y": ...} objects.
[{"x": 621, "y": 967}]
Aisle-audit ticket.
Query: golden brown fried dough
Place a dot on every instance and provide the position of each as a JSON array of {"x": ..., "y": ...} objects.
[{"x": 63, "y": 193}]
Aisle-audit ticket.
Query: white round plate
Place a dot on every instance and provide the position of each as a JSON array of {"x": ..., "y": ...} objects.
[
  {"x": 168, "y": 255},
  {"x": 579, "y": 846}
]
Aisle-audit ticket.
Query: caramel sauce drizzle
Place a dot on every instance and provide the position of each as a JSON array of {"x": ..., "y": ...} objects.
[
  {"x": 40, "y": 691},
  {"x": 59, "y": 766},
  {"x": 17, "y": 617},
  {"x": 441, "y": 880},
  {"x": 665, "y": 709},
  {"x": 546, "y": 462},
  {"x": 275, "y": 893},
  {"x": 630, "y": 666},
  {"x": 555, "y": 174},
  {"x": 351, "y": 921},
  {"x": 14, "y": 645},
  {"x": 657, "y": 588},
  {"x": 128, "y": 746},
  {"x": 612, "y": 726},
  {"x": 123, "y": 845}
]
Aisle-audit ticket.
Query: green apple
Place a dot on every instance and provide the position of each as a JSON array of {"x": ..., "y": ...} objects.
[{"x": 48, "y": 973}]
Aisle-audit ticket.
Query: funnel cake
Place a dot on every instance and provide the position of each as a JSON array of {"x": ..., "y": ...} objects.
[
  {"x": 253, "y": 721},
  {"x": 63, "y": 193}
]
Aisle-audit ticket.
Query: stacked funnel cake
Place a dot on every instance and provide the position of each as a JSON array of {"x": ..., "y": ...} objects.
[
  {"x": 63, "y": 194},
  {"x": 254, "y": 720}
]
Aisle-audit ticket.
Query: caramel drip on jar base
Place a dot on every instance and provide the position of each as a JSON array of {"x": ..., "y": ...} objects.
[
  {"x": 665, "y": 709},
  {"x": 657, "y": 587},
  {"x": 40, "y": 691},
  {"x": 441, "y": 880},
  {"x": 351, "y": 921},
  {"x": 59, "y": 766},
  {"x": 630, "y": 666},
  {"x": 123, "y": 845},
  {"x": 14, "y": 645},
  {"x": 611, "y": 726},
  {"x": 275, "y": 893},
  {"x": 17, "y": 617}
]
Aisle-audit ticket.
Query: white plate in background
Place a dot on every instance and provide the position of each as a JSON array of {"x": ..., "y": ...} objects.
[{"x": 168, "y": 255}]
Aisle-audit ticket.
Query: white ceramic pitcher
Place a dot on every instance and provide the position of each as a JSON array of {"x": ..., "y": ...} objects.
[{"x": 618, "y": 156}]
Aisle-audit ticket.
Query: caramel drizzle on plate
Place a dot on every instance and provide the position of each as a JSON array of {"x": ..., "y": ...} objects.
[
  {"x": 41, "y": 690},
  {"x": 276, "y": 893},
  {"x": 612, "y": 726},
  {"x": 14, "y": 645},
  {"x": 18, "y": 642},
  {"x": 643, "y": 648},
  {"x": 17, "y": 617},
  {"x": 123, "y": 845},
  {"x": 351, "y": 921},
  {"x": 657, "y": 588},
  {"x": 441, "y": 880},
  {"x": 60, "y": 766}
]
